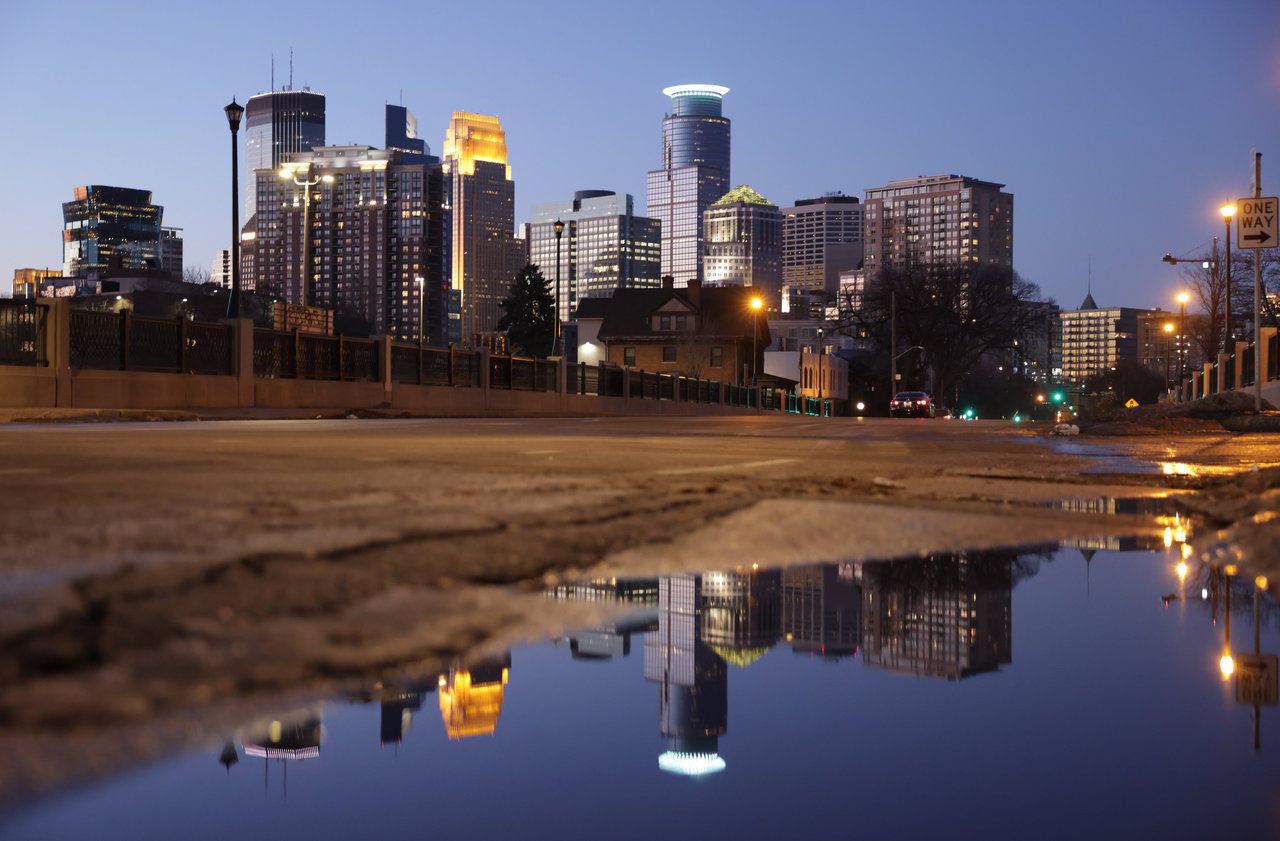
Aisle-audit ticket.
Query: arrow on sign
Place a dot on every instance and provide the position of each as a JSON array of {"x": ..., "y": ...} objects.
[{"x": 1261, "y": 236}]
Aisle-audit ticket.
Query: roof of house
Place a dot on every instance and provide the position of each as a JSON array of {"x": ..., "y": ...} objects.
[{"x": 723, "y": 311}]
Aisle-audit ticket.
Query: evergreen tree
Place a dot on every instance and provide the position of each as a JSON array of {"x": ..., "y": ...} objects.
[{"x": 530, "y": 314}]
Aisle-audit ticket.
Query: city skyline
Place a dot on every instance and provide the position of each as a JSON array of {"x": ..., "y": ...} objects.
[{"x": 1068, "y": 158}]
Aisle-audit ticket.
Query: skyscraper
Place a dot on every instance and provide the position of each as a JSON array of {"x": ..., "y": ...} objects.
[
  {"x": 743, "y": 243},
  {"x": 171, "y": 251},
  {"x": 820, "y": 238},
  {"x": 1095, "y": 339},
  {"x": 402, "y": 132},
  {"x": 694, "y": 173},
  {"x": 110, "y": 228},
  {"x": 483, "y": 252},
  {"x": 375, "y": 225},
  {"x": 604, "y": 246},
  {"x": 938, "y": 219},
  {"x": 278, "y": 124}
]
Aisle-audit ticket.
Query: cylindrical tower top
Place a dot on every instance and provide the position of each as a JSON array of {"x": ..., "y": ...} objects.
[{"x": 696, "y": 100}]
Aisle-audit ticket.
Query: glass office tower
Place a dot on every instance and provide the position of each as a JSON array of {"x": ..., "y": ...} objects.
[
  {"x": 278, "y": 124},
  {"x": 110, "y": 228},
  {"x": 694, "y": 173}
]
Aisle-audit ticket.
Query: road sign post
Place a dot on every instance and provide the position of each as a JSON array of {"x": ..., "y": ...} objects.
[
  {"x": 1256, "y": 682},
  {"x": 1256, "y": 228}
]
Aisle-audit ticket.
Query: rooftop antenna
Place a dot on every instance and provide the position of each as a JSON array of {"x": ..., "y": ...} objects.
[
  {"x": 1090, "y": 280},
  {"x": 291, "y": 68},
  {"x": 273, "y": 72},
  {"x": 402, "y": 96}
]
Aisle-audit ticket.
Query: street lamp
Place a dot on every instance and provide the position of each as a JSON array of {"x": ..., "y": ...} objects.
[
  {"x": 288, "y": 173},
  {"x": 558, "y": 226},
  {"x": 234, "y": 112},
  {"x": 821, "y": 353},
  {"x": 1228, "y": 210},
  {"x": 1168, "y": 341},
  {"x": 757, "y": 303}
]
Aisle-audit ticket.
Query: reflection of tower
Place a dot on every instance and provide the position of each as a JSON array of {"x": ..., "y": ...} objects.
[
  {"x": 945, "y": 616},
  {"x": 294, "y": 740},
  {"x": 741, "y": 613},
  {"x": 397, "y": 716},
  {"x": 821, "y": 611},
  {"x": 693, "y": 703},
  {"x": 471, "y": 697}
]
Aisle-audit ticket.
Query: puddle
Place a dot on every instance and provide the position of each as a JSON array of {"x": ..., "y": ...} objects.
[{"x": 1070, "y": 691}]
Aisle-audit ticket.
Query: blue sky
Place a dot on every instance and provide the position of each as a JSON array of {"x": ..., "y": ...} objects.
[{"x": 1118, "y": 126}]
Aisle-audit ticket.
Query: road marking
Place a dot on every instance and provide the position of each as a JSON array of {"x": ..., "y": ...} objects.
[
  {"x": 721, "y": 468},
  {"x": 22, "y": 471},
  {"x": 540, "y": 452}
]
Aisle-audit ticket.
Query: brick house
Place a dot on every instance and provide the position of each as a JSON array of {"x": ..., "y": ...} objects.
[{"x": 697, "y": 331}]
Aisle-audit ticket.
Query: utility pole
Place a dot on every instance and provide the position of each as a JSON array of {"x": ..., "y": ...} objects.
[
  {"x": 1257, "y": 295},
  {"x": 893, "y": 343}
]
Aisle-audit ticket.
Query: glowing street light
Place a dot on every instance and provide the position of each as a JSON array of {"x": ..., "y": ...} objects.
[
  {"x": 1228, "y": 210},
  {"x": 1226, "y": 665},
  {"x": 757, "y": 303}
]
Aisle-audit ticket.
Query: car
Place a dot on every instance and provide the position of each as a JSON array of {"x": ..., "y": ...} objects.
[{"x": 911, "y": 404}]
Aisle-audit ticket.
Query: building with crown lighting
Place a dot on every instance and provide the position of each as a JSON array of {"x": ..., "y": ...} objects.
[
  {"x": 694, "y": 173},
  {"x": 471, "y": 697},
  {"x": 742, "y": 232},
  {"x": 482, "y": 252}
]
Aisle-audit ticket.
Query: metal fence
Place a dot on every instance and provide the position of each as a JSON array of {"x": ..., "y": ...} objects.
[
  {"x": 1223, "y": 377},
  {"x": 520, "y": 374},
  {"x": 120, "y": 341},
  {"x": 279, "y": 354},
  {"x": 22, "y": 333}
]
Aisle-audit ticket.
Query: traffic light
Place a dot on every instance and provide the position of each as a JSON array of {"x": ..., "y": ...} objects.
[{"x": 1058, "y": 397}]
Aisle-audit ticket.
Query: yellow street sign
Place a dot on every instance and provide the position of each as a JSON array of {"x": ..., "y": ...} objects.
[{"x": 1131, "y": 403}]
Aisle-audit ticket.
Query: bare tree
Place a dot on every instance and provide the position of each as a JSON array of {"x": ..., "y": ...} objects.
[
  {"x": 1209, "y": 289},
  {"x": 191, "y": 274},
  {"x": 956, "y": 313}
]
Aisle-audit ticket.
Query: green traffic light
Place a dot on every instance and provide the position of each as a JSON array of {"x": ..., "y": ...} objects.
[{"x": 1058, "y": 397}]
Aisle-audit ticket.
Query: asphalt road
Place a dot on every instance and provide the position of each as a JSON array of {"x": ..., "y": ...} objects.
[{"x": 151, "y": 568}]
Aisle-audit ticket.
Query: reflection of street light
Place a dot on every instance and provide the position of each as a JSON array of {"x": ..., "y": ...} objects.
[
  {"x": 1228, "y": 210},
  {"x": 234, "y": 112},
  {"x": 1181, "y": 569},
  {"x": 756, "y": 304},
  {"x": 1226, "y": 665},
  {"x": 287, "y": 173}
]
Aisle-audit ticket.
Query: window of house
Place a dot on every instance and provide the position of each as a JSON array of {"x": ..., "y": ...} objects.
[
  {"x": 682, "y": 323},
  {"x": 717, "y": 357},
  {"x": 664, "y": 322},
  {"x": 669, "y": 353},
  {"x": 629, "y": 357}
]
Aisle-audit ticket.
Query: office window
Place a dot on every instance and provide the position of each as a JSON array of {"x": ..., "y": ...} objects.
[{"x": 669, "y": 353}]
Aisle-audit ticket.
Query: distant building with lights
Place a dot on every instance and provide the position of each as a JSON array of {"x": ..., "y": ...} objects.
[
  {"x": 821, "y": 237},
  {"x": 171, "y": 251},
  {"x": 28, "y": 283},
  {"x": 938, "y": 219},
  {"x": 821, "y": 610},
  {"x": 1096, "y": 339},
  {"x": 110, "y": 229},
  {"x": 375, "y": 222},
  {"x": 741, "y": 613},
  {"x": 742, "y": 233},
  {"x": 694, "y": 173},
  {"x": 220, "y": 269},
  {"x": 471, "y": 697},
  {"x": 604, "y": 246},
  {"x": 482, "y": 252},
  {"x": 276, "y": 125}
]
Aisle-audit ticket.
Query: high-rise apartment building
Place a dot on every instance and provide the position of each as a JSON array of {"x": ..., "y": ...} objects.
[
  {"x": 220, "y": 270},
  {"x": 821, "y": 238},
  {"x": 938, "y": 219},
  {"x": 603, "y": 246},
  {"x": 110, "y": 229},
  {"x": 375, "y": 227},
  {"x": 171, "y": 251},
  {"x": 743, "y": 243},
  {"x": 278, "y": 124},
  {"x": 402, "y": 132},
  {"x": 1095, "y": 339},
  {"x": 694, "y": 173},
  {"x": 483, "y": 253}
]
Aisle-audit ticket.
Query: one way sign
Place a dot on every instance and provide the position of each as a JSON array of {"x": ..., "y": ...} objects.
[{"x": 1256, "y": 222}]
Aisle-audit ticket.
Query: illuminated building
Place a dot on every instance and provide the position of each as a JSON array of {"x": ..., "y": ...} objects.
[
  {"x": 1160, "y": 349},
  {"x": 694, "y": 173},
  {"x": 604, "y": 246},
  {"x": 375, "y": 221},
  {"x": 821, "y": 238},
  {"x": 938, "y": 219},
  {"x": 742, "y": 234},
  {"x": 171, "y": 251},
  {"x": 288, "y": 740},
  {"x": 1095, "y": 340},
  {"x": 482, "y": 251},
  {"x": 741, "y": 613},
  {"x": 220, "y": 271},
  {"x": 471, "y": 698},
  {"x": 821, "y": 610},
  {"x": 946, "y": 616},
  {"x": 27, "y": 283},
  {"x": 693, "y": 680},
  {"x": 279, "y": 124},
  {"x": 110, "y": 229}
]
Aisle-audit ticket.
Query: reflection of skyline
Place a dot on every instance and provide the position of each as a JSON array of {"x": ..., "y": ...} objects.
[
  {"x": 471, "y": 697},
  {"x": 822, "y": 610},
  {"x": 946, "y": 616}
]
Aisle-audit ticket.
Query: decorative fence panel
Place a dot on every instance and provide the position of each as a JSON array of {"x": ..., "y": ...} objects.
[{"x": 22, "y": 333}]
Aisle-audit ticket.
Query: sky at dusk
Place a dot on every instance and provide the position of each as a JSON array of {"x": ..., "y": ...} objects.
[{"x": 1119, "y": 127}]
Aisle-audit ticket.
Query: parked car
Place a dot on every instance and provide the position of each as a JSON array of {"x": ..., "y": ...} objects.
[{"x": 911, "y": 404}]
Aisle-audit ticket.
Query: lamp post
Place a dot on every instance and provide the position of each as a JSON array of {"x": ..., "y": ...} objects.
[
  {"x": 558, "y": 225},
  {"x": 306, "y": 184},
  {"x": 756, "y": 304},
  {"x": 1183, "y": 297},
  {"x": 421, "y": 284},
  {"x": 1228, "y": 210},
  {"x": 234, "y": 112},
  {"x": 1168, "y": 341},
  {"x": 821, "y": 353}
]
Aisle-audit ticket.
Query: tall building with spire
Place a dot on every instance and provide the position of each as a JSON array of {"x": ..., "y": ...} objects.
[
  {"x": 278, "y": 124},
  {"x": 694, "y": 173},
  {"x": 483, "y": 253}
]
